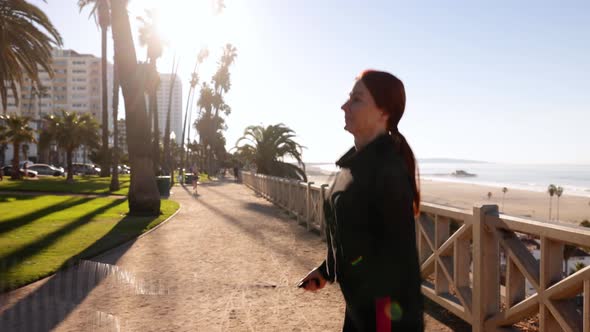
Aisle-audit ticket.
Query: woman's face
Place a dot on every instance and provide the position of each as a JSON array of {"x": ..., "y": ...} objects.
[{"x": 363, "y": 118}]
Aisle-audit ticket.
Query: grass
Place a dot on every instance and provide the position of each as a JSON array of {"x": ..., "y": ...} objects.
[
  {"x": 91, "y": 184},
  {"x": 41, "y": 234},
  {"x": 203, "y": 177}
]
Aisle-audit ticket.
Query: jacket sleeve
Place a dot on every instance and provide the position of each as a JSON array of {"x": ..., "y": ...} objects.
[{"x": 327, "y": 266}]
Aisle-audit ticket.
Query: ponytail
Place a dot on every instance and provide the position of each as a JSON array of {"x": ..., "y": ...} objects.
[
  {"x": 390, "y": 96},
  {"x": 407, "y": 154}
]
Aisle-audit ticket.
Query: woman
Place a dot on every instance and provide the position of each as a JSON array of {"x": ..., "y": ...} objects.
[{"x": 370, "y": 214}]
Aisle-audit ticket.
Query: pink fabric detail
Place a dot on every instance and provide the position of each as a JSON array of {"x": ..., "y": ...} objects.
[{"x": 382, "y": 319}]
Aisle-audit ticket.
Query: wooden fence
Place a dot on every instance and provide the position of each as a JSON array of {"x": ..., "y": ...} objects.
[{"x": 474, "y": 263}]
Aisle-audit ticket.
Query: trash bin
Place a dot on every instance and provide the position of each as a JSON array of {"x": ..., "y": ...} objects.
[
  {"x": 188, "y": 178},
  {"x": 163, "y": 185}
]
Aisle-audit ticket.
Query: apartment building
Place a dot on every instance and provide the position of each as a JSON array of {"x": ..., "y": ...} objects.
[
  {"x": 176, "y": 111},
  {"x": 75, "y": 87}
]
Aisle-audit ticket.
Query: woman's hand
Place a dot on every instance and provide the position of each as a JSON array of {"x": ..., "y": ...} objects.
[{"x": 313, "y": 281}]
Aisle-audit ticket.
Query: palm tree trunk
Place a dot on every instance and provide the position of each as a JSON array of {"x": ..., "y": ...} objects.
[
  {"x": 188, "y": 136},
  {"x": 557, "y": 209},
  {"x": 167, "y": 161},
  {"x": 105, "y": 167},
  {"x": 550, "y": 204},
  {"x": 144, "y": 198},
  {"x": 2, "y": 153},
  {"x": 186, "y": 117},
  {"x": 156, "y": 140},
  {"x": 15, "y": 161},
  {"x": 115, "y": 175},
  {"x": 70, "y": 178}
]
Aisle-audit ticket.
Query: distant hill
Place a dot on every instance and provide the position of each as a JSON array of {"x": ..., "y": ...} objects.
[
  {"x": 451, "y": 160},
  {"x": 422, "y": 160}
]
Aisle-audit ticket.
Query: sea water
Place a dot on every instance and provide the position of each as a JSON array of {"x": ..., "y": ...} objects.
[{"x": 575, "y": 179}]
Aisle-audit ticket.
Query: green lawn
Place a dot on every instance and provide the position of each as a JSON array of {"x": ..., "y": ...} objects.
[
  {"x": 39, "y": 234},
  {"x": 91, "y": 184}
]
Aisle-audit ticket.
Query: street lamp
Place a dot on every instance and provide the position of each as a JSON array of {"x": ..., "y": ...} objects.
[{"x": 208, "y": 160}]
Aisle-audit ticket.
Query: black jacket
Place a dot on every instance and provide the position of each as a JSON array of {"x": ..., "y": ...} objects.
[{"x": 371, "y": 228}]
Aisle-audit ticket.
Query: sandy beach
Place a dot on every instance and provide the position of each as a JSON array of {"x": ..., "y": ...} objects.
[
  {"x": 522, "y": 203},
  {"x": 517, "y": 202}
]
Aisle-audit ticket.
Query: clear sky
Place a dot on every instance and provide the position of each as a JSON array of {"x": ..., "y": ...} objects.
[{"x": 502, "y": 81}]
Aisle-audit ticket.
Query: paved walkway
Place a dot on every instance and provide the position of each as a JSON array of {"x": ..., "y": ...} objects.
[{"x": 228, "y": 260}]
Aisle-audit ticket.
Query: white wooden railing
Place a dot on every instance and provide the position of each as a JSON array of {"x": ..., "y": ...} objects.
[{"x": 460, "y": 255}]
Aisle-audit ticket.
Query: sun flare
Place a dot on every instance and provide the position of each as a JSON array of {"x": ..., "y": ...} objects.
[
  {"x": 188, "y": 22},
  {"x": 186, "y": 27}
]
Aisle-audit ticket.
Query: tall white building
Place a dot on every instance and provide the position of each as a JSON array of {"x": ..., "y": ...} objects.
[
  {"x": 75, "y": 87},
  {"x": 176, "y": 111}
]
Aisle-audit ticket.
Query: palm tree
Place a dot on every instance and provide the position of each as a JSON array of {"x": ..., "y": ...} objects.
[
  {"x": 221, "y": 79},
  {"x": 25, "y": 148},
  {"x": 101, "y": 12},
  {"x": 149, "y": 37},
  {"x": 71, "y": 131},
  {"x": 144, "y": 198},
  {"x": 578, "y": 267},
  {"x": 115, "y": 173},
  {"x": 504, "y": 191},
  {"x": 27, "y": 38},
  {"x": 558, "y": 192},
  {"x": 189, "y": 101},
  {"x": 18, "y": 132},
  {"x": 266, "y": 148},
  {"x": 551, "y": 190}
]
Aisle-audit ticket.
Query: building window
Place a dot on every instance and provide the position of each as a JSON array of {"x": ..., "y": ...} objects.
[
  {"x": 79, "y": 71},
  {"x": 77, "y": 62}
]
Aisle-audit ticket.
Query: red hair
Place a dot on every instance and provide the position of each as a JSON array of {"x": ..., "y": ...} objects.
[{"x": 390, "y": 96}]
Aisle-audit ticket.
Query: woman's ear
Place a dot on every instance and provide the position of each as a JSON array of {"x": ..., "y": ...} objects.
[{"x": 385, "y": 118}]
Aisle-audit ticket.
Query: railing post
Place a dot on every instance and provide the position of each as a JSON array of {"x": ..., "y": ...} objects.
[
  {"x": 486, "y": 268},
  {"x": 322, "y": 212},
  {"x": 308, "y": 206},
  {"x": 551, "y": 270}
]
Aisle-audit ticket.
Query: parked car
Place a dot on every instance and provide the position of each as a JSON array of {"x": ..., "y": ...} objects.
[
  {"x": 85, "y": 169},
  {"x": 44, "y": 169},
  {"x": 124, "y": 169},
  {"x": 29, "y": 173}
]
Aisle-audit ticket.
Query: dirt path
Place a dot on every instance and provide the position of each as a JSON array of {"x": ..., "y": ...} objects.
[{"x": 228, "y": 261}]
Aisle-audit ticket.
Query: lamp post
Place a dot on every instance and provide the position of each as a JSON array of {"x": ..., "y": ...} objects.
[
  {"x": 170, "y": 157},
  {"x": 208, "y": 160}
]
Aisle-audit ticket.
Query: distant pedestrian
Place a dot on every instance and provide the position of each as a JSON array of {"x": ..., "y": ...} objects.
[
  {"x": 236, "y": 173},
  {"x": 370, "y": 213}
]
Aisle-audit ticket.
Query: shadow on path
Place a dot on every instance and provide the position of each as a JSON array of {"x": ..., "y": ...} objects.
[{"x": 57, "y": 296}]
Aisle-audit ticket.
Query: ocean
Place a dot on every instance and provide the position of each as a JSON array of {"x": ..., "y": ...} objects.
[{"x": 575, "y": 179}]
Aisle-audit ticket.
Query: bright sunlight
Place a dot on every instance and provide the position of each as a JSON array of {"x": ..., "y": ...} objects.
[{"x": 187, "y": 27}]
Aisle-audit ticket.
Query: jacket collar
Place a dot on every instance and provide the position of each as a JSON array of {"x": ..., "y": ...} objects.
[{"x": 367, "y": 155}]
